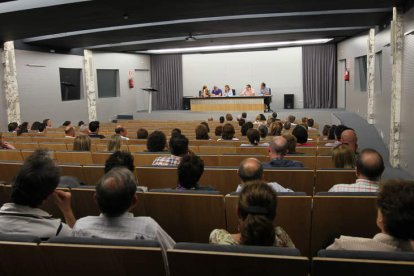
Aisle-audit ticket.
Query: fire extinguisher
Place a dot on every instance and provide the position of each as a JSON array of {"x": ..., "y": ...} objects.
[
  {"x": 346, "y": 75},
  {"x": 131, "y": 83}
]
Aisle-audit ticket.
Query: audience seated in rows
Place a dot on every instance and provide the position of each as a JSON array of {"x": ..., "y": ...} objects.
[
  {"x": 206, "y": 125},
  {"x": 201, "y": 132},
  {"x": 291, "y": 140},
  {"x": 256, "y": 211},
  {"x": 338, "y": 132},
  {"x": 277, "y": 150},
  {"x": 35, "y": 127},
  {"x": 23, "y": 128},
  {"x": 70, "y": 132},
  {"x": 276, "y": 129},
  {"x": 116, "y": 195},
  {"x": 142, "y": 133},
  {"x": 228, "y": 133},
  {"x": 35, "y": 182},
  {"x": 253, "y": 136},
  {"x": 301, "y": 135},
  {"x": 343, "y": 157},
  {"x": 395, "y": 219},
  {"x": 175, "y": 132},
  {"x": 263, "y": 130},
  {"x": 122, "y": 132},
  {"x": 349, "y": 137},
  {"x": 369, "y": 169},
  {"x": 94, "y": 130},
  {"x": 114, "y": 143},
  {"x": 218, "y": 131},
  {"x": 156, "y": 142},
  {"x": 251, "y": 170},
  {"x": 120, "y": 159},
  {"x": 4, "y": 144},
  {"x": 245, "y": 128},
  {"x": 189, "y": 172},
  {"x": 12, "y": 127},
  {"x": 178, "y": 148},
  {"x": 82, "y": 143}
]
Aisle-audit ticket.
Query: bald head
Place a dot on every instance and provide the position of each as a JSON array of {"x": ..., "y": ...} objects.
[
  {"x": 250, "y": 169},
  {"x": 370, "y": 165},
  {"x": 278, "y": 146},
  {"x": 350, "y": 138}
]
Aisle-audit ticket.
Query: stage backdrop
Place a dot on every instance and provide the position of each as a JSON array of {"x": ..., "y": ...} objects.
[{"x": 281, "y": 70}]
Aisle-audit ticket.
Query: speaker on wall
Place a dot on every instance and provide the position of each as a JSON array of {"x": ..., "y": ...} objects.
[
  {"x": 186, "y": 104},
  {"x": 289, "y": 101}
]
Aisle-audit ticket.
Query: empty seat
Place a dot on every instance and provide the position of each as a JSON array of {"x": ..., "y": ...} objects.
[
  {"x": 74, "y": 157},
  {"x": 93, "y": 173},
  {"x": 8, "y": 170},
  {"x": 11, "y": 155}
]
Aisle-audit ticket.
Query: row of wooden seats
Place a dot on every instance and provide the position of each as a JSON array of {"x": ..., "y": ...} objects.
[
  {"x": 311, "y": 222},
  {"x": 223, "y": 179}
]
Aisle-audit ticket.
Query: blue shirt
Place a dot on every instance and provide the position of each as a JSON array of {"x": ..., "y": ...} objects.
[
  {"x": 217, "y": 92},
  {"x": 279, "y": 163}
]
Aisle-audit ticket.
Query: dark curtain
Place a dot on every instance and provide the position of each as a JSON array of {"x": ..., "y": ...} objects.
[
  {"x": 319, "y": 76},
  {"x": 167, "y": 78}
]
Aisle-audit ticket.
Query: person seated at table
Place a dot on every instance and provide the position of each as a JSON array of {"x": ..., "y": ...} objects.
[
  {"x": 248, "y": 91},
  {"x": 189, "y": 172},
  {"x": 256, "y": 211},
  {"x": 395, "y": 219},
  {"x": 227, "y": 91},
  {"x": 205, "y": 93},
  {"x": 216, "y": 92},
  {"x": 264, "y": 91},
  {"x": 228, "y": 133}
]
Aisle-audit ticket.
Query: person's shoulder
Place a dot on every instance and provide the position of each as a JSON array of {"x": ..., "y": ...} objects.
[
  {"x": 221, "y": 236},
  {"x": 340, "y": 188}
]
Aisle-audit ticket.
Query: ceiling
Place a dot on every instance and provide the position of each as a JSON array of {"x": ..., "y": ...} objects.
[{"x": 129, "y": 26}]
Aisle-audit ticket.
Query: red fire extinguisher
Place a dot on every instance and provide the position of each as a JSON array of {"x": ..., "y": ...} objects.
[
  {"x": 131, "y": 83},
  {"x": 346, "y": 75}
]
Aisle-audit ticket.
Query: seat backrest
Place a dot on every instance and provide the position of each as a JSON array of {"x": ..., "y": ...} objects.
[
  {"x": 79, "y": 157},
  {"x": 8, "y": 170},
  {"x": 146, "y": 159},
  {"x": 99, "y": 158},
  {"x": 325, "y": 179},
  {"x": 53, "y": 146},
  {"x": 186, "y": 217},
  {"x": 11, "y": 155},
  {"x": 324, "y": 162},
  {"x": 74, "y": 170},
  {"x": 188, "y": 262},
  {"x": 333, "y": 216},
  {"x": 70, "y": 258},
  {"x": 293, "y": 215},
  {"x": 367, "y": 255},
  {"x": 93, "y": 174}
]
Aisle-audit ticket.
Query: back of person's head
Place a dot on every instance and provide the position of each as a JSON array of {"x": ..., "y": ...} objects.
[
  {"x": 291, "y": 119},
  {"x": 228, "y": 132},
  {"x": 189, "y": 171},
  {"x": 94, "y": 126},
  {"x": 262, "y": 117},
  {"x": 396, "y": 206},
  {"x": 175, "y": 132},
  {"x": 338, "y": 131},
  {"x": 279, "y": 145},
  {"x": 116, "y": 191},
  {"x": 221, "y": 119},
  {"x": 331, "y": 133},
  {"x": 218, "y": 131},
  {"x": 343, "y": 157},
  {"x": 291, "y": 143},
  {"x": 35, "y": 126},
  {"x": 274, "y": 115},
  {"x": 370, "y": 164},
  {"x": 257, "y": 211},
  {"x": 82, "y": 143},
  {"x": 157, "y": 141},
  {"x": 206, "y": 125},
  {"x": 304, "y": 120},
  {"x": 245, "y": 128},
  {"x": 244, "y": 115},
  {"x": 263, "y": 130},
  {"x": 84, "y": 129},
  {"x": 36, "y": 180},
  {"x": 66, "y": 123},
  {"x": 253, "y": 136},
  {"x": 301, "y": 134},
  {"x": 325, "y": 130},
  {"x": 69, "y": 131},
  {"x": 250, "y": 169},
  {"x": 229, "y": 117},
  {"x": 178, "y": 145},
  {"x": 142, "y": 133},
  {"x": 114, "y": 143},
  {"x": 41, "y": 127},
  {"x": 241, "y": 122},
  {"x": 46, "y": 121},
  {"x": 276, "y": 129},
  {"x": 287, "y": 125},
  {"x": 12, "y": 126},
  {"x": 118, "y": 130},
  {"x": 81, "y": 123},
  {"x": 120, "y": 159},
  {"x": 349, "y": 137},
  {"x": 310, "y": 122},
  {"x": 201, "y": 132}
]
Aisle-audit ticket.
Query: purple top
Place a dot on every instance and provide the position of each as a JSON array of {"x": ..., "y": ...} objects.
[{"x": 217, "y": 92}]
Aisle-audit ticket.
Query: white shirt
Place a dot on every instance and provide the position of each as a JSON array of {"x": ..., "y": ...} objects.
[
  {"x": 124, "y": 138},
  {"x": 275, "y": 186},
  {"x": 25, "y": 220}
]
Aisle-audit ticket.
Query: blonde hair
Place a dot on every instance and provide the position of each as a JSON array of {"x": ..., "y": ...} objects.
[
  {"x": 343, "y": 157},
  {"x": 114, "y": 144},
  {"x": 82, "y": 143}
]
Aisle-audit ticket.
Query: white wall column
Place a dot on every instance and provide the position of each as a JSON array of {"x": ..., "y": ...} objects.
[
  {"x": 90, "y": 84},
  {"x": 371, "y": 76},
  {"x": 397, "y": 44},
  {"x": 11, "y": 90}
]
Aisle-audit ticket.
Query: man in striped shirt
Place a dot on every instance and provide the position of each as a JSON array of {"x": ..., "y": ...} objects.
[{"x": 369, "y": 168}]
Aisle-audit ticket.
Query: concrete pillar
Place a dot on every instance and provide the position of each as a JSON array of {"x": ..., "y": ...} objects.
[
  {"x": 11, "y": 90},
  {"x": 90, "y": 84},
  {"x": 371, "y": 76},
  {"x": 397, "y": 44}
]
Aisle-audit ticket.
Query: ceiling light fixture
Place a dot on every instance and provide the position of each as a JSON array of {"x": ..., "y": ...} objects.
[{"x": 237, "y": 46}]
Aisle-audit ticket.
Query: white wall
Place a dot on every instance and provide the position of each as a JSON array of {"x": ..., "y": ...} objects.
[
  {"x": 281, "y": 70},
  {"x": 39, "y": 87}
]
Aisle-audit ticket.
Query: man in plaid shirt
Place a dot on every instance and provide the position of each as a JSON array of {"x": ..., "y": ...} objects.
[
  {"x": 178, "y": 147},
  {"x": 369, "y": 168}
]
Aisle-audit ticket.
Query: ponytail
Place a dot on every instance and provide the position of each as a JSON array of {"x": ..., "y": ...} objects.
[{"x": 258, "y": 230}]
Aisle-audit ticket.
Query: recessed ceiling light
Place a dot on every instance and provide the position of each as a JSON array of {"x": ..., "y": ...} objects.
[{"x": 237, "y": 46}]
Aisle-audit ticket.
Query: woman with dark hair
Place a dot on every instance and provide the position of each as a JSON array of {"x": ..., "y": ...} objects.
[
  {"x": 331, "y": 133},
  {"x": 23, "y": 128},
  {"x": 202, "y": 132},
  {"x": 395, "y": 219},
  {"x": 253, "y": 136},
  {"x": 228, "y": 133},
  {"x": 301, "y": 135},
  {"x": 206, "y": 125},
  {"x": 218, "y": 131},
  {"x": 257, "y": 212},
  {"x": 263, "y": 130},
  {"x": 157, "y": 141}
]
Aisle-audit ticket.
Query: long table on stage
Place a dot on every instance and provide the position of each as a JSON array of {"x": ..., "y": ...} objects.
[{"x": 255, "y": 103}]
